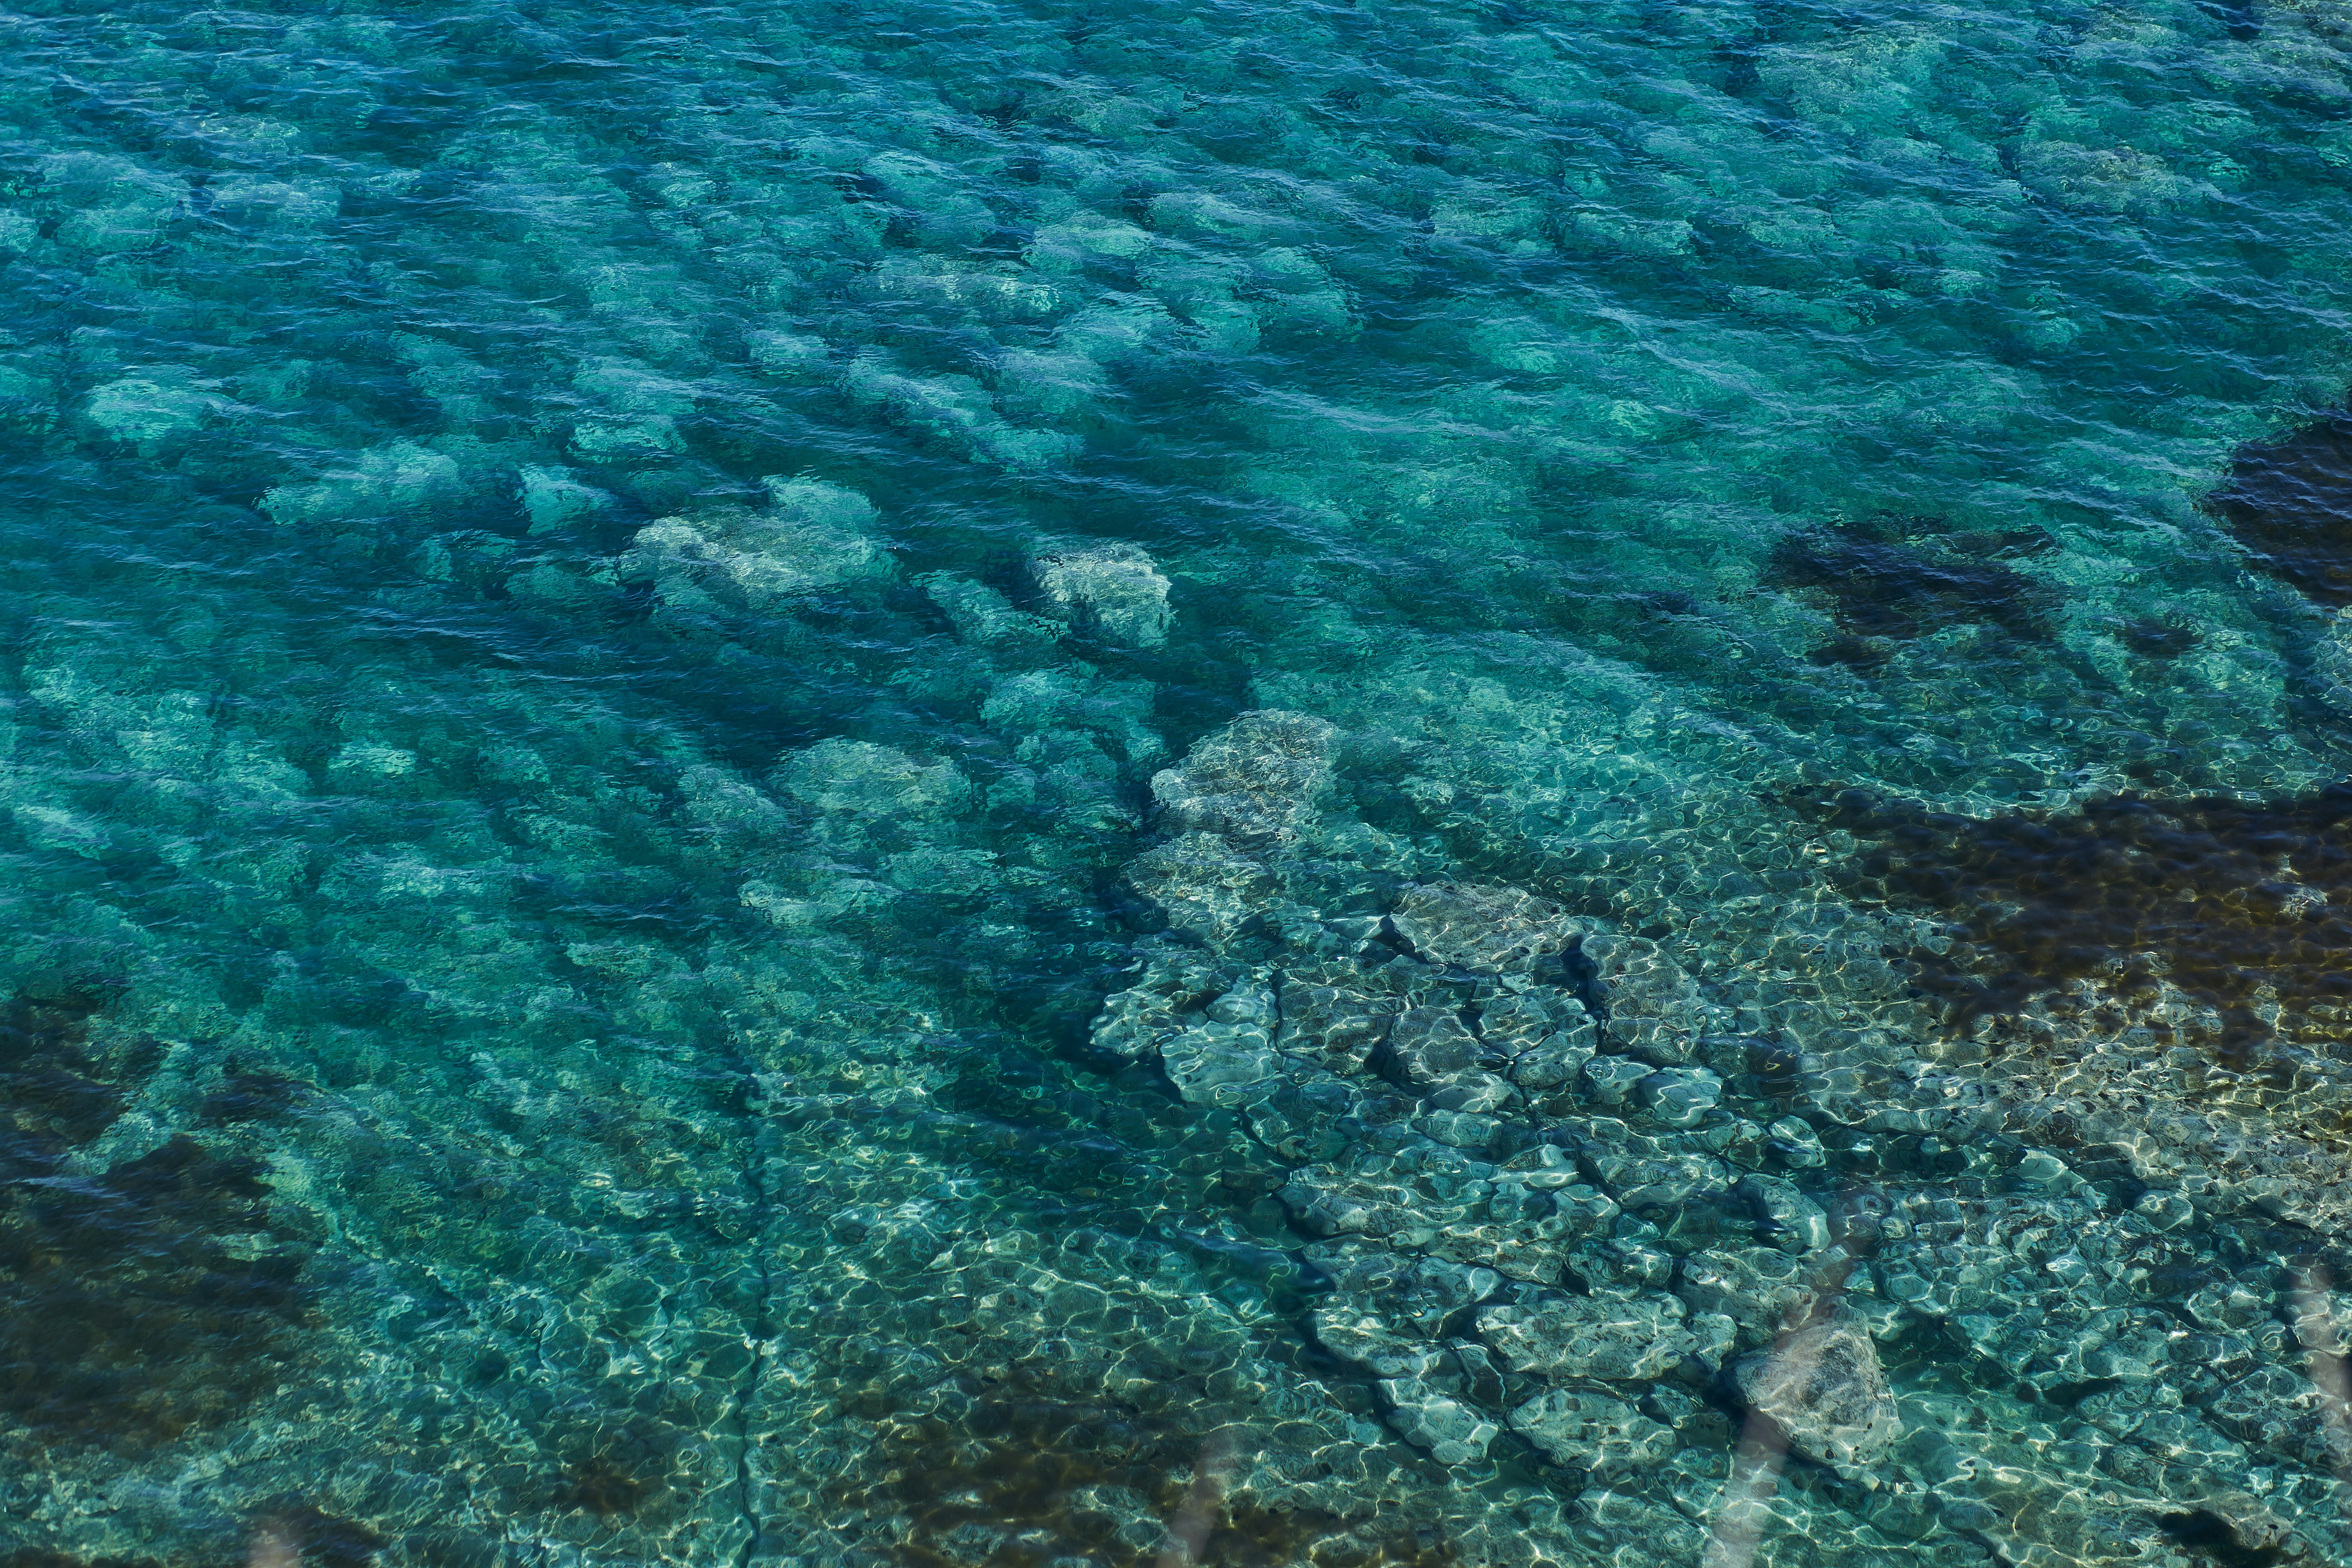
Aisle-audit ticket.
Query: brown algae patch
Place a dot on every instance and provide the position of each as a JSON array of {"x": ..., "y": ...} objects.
[
  {"x": 2207, "y": 922},
  {"x": 2289, "y": 502},
  {"x": 1882, "y": 591},
  {"x": 139, "y": 1302},
  {"x": 1022, "y": 1481}
]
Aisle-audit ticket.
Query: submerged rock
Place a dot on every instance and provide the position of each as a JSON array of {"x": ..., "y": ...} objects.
[
  {"x": 1822, "y": 1387},
  {"x": 1338, "y": 1024},
  {"x": 1617, "y": 1339},
  {"x": 1512, "y": 1257},
  {"x": 2191, "y": 950},
  {"x": 1430, "y": 1414},
  {"x": 1540, "y": 1037},
  {"x": 812, "y": 536},
  {"x": 1592, "y": 1432},
  {"x": 1654, "y": 1008},
  {"x": 1679, "y": 1097},
  {"x": 1431, "y": 1046},
  {"x": 859, "y": 779},
  {"x": 1760, "y": 1288},
  {"x": 1114, "y": 591},
  {"x": 2331, "y": 661},
  {"x": 1204, "y": 883},
  {"x": 984, "y": 616},
  {"x": 1256, "y": 781},
  {"x": 1504, "y": 930}
]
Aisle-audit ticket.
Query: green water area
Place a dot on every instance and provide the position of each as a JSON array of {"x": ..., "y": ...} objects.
[{"x": 1115, "y": 783}]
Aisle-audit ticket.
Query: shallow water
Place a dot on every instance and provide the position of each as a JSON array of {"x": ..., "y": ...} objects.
[{"x": 1030, "y": 785}]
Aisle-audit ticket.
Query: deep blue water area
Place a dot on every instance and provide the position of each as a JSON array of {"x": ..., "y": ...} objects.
[{"x": 1021, "y": 785}]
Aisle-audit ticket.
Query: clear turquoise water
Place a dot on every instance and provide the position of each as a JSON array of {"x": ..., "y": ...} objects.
[{"x": 1024, "y": 784}]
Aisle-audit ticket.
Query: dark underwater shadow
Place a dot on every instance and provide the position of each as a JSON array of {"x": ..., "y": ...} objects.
[
  {"x": 142, "y": 1302},
  {"x": 2289, "y": 503}
]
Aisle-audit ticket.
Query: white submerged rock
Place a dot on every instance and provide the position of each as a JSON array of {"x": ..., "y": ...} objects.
[
  {"x": 1255, "y": 781},
  {"x": 1823, "y": 1388},
  {"x": 811, "y": 536},
  {"x": 1115, "y": 592}
]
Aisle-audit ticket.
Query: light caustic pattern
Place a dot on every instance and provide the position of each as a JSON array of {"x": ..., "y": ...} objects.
[{"x": 1019, "y": 785}]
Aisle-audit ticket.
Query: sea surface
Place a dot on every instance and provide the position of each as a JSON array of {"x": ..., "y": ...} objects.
[{"x": 1099, "y": 784}]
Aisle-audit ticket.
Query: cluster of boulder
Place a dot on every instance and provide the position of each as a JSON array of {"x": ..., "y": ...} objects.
[{"x": 1563, "y": 1220}]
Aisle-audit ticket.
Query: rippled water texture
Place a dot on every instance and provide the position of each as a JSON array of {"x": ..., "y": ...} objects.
[{"x": 1034, "y": 786}]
